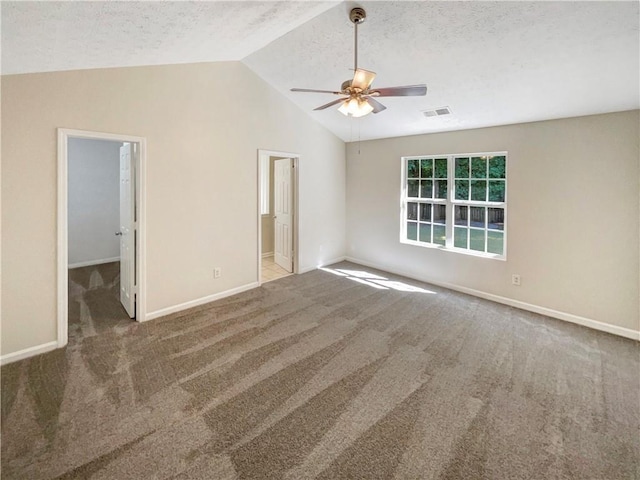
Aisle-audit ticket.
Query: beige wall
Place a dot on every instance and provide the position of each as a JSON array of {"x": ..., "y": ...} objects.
[
  {"x": 204, "y": 124},
  {"x": 573, "y": 214}
]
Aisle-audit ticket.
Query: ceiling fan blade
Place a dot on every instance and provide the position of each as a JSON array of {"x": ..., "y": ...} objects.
[
  {"x": 362, "y": 79},
  {"x": 408, "y": 91},
  {"x": 377, "y": 106},
  {"x": 327, "y": 105},
  {"x": 309, "y": 90}
]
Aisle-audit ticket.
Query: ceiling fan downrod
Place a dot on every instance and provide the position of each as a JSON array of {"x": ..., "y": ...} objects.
[{"x": 357, "y": 16}]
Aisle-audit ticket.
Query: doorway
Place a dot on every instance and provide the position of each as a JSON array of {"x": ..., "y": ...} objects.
[
  {"x": 277, "y": 214},
  {"x": 100, "y": 231}
]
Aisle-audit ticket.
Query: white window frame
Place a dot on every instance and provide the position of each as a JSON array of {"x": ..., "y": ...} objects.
[{"x": 450, "y": 203}]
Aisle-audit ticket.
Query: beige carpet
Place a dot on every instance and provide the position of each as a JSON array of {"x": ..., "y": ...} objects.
[{"x": 343, "y": 374}]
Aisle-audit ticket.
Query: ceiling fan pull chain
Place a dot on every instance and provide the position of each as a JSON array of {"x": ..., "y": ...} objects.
[{"x": 351, "y": 127}]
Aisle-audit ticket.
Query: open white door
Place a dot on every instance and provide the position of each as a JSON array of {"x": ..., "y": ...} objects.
[
  {"x": 282, "y": 210},
  {"x": 127, "y": 230}
]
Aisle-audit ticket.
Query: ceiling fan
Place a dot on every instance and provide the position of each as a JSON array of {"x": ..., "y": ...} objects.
[{"x": 358, "y": 96}]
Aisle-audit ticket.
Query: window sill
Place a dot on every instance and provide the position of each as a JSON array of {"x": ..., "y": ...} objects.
[{"x": 472, "y": 253}]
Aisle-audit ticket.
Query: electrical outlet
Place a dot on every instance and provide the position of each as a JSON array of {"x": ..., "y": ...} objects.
[
  {"x": 217, "y": 272},
  {"x": 515, "y": 279}
]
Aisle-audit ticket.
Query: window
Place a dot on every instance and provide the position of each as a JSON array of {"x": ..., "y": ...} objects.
[{"x": 455, "y": 202}]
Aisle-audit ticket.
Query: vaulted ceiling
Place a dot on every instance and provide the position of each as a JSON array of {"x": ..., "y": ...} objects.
[{"x": 491, "y": 63}]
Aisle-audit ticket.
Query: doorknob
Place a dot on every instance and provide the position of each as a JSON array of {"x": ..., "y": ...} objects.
[{"x": 118, "y": 233}]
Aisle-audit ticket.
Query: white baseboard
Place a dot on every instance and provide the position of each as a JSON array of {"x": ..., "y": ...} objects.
[
  {"x": 88, "y": 263},
  {"x": 199, "y": 301},
  {"x": 568, "y": 317},
  {"x": 268, "y": 254},
  {"x": 28, "y": 352},
  {"x": 324, "y": 264},
  {"x": 334, "y": 260}
]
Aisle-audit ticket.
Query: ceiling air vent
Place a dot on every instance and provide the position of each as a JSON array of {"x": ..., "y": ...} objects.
[{"x": 437, "y": 112}]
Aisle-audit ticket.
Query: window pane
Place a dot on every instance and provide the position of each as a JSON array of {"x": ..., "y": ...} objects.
[
  {"x": 477, "y": 217},
  {"x": 478, "y": 167},
  {"x": 440, "y": 189},
  {"x": 497, "y": 167},
  {"x": 413, "y": 169},
  {"x": 439, "y": 234},
  {"x": 412, "y": 211},
  {"x": 476, "y": 240},
  {"x": 479, "y": 190},
  {"x": 439, "y": 214},
  {"x": 495, "y": 241},
  {"x": 426, "y": 188},
  {"x": 460, "y": 237},
  {"x": 412, "y": 231},
  {"x": 413, "y": 187},
  {"x": 462, "y": 215},
  {"x": 425, "y": 212},
  {"x": 496, "y": 190},
  {"x": 426, "y": 168},
  {"x": 440, "y": 169},
  {"x": 425, "y": 232},
  {"x": 462, "y": 167},
  {"x": 495, "y": 218},
  {"x": 462, "y": 189}
]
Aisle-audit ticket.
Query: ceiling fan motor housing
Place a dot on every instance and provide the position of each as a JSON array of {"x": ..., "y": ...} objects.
[{"x": 357, "y": 15}]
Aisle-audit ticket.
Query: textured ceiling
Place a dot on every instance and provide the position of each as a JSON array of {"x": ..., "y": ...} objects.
[
  {"x": 51, "y": 36},
  {"x": 492, "y": 63}
]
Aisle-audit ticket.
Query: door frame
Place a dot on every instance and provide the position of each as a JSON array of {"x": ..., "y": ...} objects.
[
  {"x": 262, "y": 153},
  {"x": 64, "y": 134}
]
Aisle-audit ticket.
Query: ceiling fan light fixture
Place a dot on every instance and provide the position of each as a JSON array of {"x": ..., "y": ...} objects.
[
  {"x": 362, "y": 79},
  {"x": 359, "y": 97},
  {"x": 364, "y": 107},
  {"x": 355, "y": 107}
]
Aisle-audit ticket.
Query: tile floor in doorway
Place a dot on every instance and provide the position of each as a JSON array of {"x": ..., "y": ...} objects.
[{"x": 271, "y": 270}]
